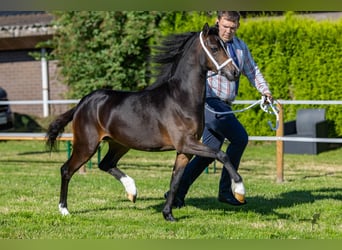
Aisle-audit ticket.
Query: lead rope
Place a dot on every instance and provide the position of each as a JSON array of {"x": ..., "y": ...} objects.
[{"x": 265, "y": 104}]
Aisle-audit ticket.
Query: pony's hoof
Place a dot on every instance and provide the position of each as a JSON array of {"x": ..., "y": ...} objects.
[
  {"x": 63, "y": 210},
  {"x": 132, "y": 197},
  {"x": 239, "y": 191},
  {"x": 169, "y": 217},
  {"x": 130, "y": 187},
  {"x": 240, "y": 197}
]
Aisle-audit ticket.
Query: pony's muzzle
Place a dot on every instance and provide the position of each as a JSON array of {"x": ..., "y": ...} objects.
[
  {"x": 232, "y": 74},
  {"x": 236, "y": 74}
]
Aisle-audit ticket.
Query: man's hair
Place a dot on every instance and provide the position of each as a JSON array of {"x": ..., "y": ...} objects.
[{"x": 233, "y": 16}]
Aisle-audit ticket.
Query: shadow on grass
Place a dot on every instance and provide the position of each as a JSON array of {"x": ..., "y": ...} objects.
[
  {"x": 266, "y": 206},
  {"x": 43, "y": 161},
  {"x": 256, "y": 204}
]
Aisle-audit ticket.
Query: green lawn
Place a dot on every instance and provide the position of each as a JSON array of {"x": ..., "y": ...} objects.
[{"x": 307, "y": 205}]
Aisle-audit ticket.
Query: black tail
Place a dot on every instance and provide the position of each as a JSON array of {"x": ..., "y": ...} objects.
[{"x": 57, "y": 127}]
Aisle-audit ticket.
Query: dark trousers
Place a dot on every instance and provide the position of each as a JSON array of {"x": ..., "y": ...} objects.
[{"x": 217, "y": 129}]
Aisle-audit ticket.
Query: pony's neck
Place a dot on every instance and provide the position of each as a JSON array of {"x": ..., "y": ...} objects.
[{"x": 191, "y": 72}]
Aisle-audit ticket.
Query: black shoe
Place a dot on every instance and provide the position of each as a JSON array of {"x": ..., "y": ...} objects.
[
  {"x": 177, "y": 203},
  {"x": 230, "y": 199}
]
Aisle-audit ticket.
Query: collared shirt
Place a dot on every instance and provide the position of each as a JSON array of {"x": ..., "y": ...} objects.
[{"x": 219, "y": 86}]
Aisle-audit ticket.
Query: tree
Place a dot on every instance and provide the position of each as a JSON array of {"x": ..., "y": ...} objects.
[{"x": 104, "y": 49}]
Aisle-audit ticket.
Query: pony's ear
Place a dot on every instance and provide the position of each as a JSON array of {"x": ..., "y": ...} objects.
[{"x": 205, "y": 29}]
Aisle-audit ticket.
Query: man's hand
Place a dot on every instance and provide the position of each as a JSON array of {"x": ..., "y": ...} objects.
[{"x": 268, "y": 99}]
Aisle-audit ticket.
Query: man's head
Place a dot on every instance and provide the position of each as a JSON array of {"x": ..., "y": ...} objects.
[{"x": 228, "y": 22}]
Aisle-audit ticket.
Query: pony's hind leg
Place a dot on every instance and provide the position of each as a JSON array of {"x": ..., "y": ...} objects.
[
  {"x": 81, "y": 154},
  {"x": 109, "y": 165}
]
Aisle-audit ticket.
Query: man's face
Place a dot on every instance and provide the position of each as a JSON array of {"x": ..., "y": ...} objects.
[{"x": 227, "y": 29}]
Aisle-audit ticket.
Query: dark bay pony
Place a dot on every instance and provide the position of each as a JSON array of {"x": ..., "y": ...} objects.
[{"x": 168, "y": 115}]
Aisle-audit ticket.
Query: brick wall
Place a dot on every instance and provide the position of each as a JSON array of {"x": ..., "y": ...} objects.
[{"x": 21, "y": 77}]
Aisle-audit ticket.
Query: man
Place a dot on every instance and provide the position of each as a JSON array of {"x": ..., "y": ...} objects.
[{"x": 220, "y": 94}]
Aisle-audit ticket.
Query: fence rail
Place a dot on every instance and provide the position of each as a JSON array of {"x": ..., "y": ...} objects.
[
  {"x": 74, "y": 101},
  {"x": 36, "y": 102},
  {"x": 31, "y": 136},
  {"x": 68, "y": 137}
]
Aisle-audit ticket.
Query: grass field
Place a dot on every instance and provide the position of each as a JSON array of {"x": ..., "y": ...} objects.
[{"x": 308, "y": 205}]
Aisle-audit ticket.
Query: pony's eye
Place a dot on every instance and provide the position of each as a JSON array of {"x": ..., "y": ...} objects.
[{"x": 214, "y": 49}]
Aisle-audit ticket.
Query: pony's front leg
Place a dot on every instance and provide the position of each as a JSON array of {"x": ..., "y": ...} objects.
[
  {"x": 238, "y": 188},
  {"x": 195, "y": 147},
  {"x": 178, "y": 169}
]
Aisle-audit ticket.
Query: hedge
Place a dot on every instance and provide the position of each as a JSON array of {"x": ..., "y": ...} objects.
[{"x": 301, "y": 59}]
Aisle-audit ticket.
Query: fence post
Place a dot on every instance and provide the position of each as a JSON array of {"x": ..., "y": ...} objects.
[
  {"x": 45, "y": 82},
  {"x": 99, "y": 155},
  {"x": 280, "y": 146},
  {"x": 68, "y": 149}
]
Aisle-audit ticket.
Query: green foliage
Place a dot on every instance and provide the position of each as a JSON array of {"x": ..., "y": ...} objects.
[
  {"x": 300, "y": 58},
  {"x": 99, "y": 49},
  {"x": 185, "y": 21}
]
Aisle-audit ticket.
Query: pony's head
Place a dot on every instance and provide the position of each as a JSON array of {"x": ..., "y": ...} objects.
[{"x": 218, "y": 59}]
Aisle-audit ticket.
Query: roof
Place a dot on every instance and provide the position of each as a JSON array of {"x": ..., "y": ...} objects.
[
  {"x": 24, "y": 29},
  {"x": 25, "y": 18}
]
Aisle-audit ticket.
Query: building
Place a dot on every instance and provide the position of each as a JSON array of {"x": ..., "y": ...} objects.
[{"x": 23, "y": 77}]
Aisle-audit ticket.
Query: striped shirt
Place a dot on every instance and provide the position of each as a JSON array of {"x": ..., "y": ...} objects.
[{"x": 219, "y": 86}]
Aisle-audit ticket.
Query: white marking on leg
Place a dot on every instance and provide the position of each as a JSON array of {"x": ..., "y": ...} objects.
[
  {"x": 238, "y": 188},
  {"x": 63, "y": 210},
  {"x": 239, "y": 191},
  {"x": 129, "y": 185}
]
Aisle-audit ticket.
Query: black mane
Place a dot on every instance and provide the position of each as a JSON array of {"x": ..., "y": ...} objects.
[{"x": 168, "y": 55}]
